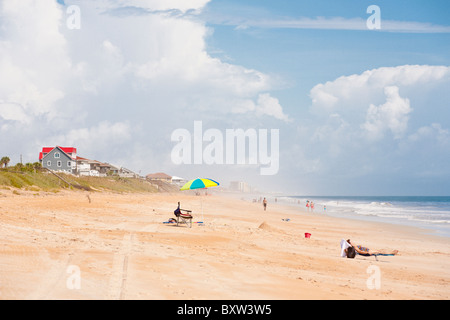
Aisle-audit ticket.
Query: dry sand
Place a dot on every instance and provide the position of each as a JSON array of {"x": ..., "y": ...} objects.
[{"x": 116, "y": 246}]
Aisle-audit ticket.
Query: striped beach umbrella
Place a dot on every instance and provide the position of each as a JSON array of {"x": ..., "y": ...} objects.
[{"x": 200, "y": 184}]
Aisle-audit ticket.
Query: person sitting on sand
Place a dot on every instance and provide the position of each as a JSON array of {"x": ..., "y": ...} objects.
[{"x": 363, "y": 251}]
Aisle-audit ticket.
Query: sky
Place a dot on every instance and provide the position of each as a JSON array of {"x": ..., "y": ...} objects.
[{"x": 360, "y": 108}]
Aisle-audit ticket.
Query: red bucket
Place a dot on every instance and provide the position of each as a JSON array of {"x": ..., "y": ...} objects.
[{"x": 307, "y": 235}]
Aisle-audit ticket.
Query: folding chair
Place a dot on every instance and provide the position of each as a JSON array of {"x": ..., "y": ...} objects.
[{"x": 185, "y": 218}]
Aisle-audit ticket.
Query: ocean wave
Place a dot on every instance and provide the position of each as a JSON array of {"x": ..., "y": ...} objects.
[{"x": 421, "y": 210}]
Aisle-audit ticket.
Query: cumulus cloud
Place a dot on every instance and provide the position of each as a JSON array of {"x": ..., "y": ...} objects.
[
  {"x": 97, "y": 139},
  {"x": 268, "y": 105},
  {"x": 357, "y": 91},
  {"x": 13, "y": 112},
  {"x": 393, "y": 115},
  {"x": 109, "y": 83},
  {"x": 433, "y": 135},
  {"x": 33, "y": 56},
  {"x": 379, "y": 119}
]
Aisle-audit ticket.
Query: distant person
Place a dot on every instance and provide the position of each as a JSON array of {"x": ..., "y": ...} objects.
[
  {"x": 265, "y": 204},
  {"x": 312, "y": 206},
  {"x": 307, "y": 205}
]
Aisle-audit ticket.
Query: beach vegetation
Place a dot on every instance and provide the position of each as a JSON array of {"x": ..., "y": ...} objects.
[
  {"x": 33, "y": 178},
  {"x": 4, "y": 161}
]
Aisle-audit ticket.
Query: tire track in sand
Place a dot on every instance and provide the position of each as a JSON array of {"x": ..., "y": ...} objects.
[{"x": 118, "y": 279}]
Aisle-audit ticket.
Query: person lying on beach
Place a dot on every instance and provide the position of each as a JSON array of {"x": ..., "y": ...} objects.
[{"x": 363, "y": 251}]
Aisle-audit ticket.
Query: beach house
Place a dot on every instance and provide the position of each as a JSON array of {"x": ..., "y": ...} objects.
[
  {"x": 159, "y": 177},
  {"x": 85, "y": 167},
  {"x": 59, "y": 159},
  {"x": 65, "y": 159},
  {"x": 179, "y": 181},
  {"x": 127, "y": 173}
]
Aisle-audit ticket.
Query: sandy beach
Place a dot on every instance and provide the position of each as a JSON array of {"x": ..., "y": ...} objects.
[{"x": 99, "y": 245}]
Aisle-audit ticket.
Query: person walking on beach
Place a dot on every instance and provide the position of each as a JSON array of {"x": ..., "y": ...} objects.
[
  {"x": 307, "y": 205},
  {"x": 265, "y": 204},
  {"x": 312, "y": 206}
]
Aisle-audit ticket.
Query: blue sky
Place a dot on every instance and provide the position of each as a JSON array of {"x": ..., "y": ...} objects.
[
  {"x": 360, "y": 112},
  {"x": 326, "y": 54},
  {"x": 305, "y": 57}
]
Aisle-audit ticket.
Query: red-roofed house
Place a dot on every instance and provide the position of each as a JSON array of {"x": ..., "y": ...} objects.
[{"x": 59, "y": 159}]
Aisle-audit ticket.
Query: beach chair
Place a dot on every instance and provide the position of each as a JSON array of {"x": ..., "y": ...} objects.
[{"x": 183, "y": 216}]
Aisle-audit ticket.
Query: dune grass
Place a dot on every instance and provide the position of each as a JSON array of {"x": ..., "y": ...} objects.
[{"x": 45, "y": 181}]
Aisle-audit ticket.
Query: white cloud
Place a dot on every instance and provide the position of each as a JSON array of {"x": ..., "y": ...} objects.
[
  {"x": 328, "y": 23},
  {"x": 13, "y": 112},
  {"x": 268, "y": 105},
  {"x": 379, "y": 119},
  {"x": 107, "y": 85},
  {"x": 428, "y": 134},
  {"x": 169, "y": 55},
  {"x": 33, "y": 55},
  {"x": 393, "y": 115},
  {"x": 154, "y": 5},
  {"x": 358, "y": 91},
  {"x": 182, "y": 5},
  {"x": 96, "y": 140}
]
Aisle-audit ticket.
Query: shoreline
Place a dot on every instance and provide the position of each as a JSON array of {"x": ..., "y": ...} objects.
[
  {"x": 427, "y": 227},
  {"x": 123, "y": 250}
]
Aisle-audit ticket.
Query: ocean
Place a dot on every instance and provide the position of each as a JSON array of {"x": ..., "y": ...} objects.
[{"x": 431, "y": 213}]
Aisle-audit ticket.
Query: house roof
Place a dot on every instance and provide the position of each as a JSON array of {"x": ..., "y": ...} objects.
[
  {"x": 46, "y": 150},
  {"x": 66, "y": 150},
  {"x": 100, "y": 164},
  {"x": 159, "y": 175},
  {"x": 81, "y": 159}
]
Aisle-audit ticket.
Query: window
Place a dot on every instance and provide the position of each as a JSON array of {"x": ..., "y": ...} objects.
[
  {"x": 49, "y": 163},
  {"x": 57, "y": 155},
  {"x": 59, "y": 164},
  {"x": 69, "y": 164}
]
